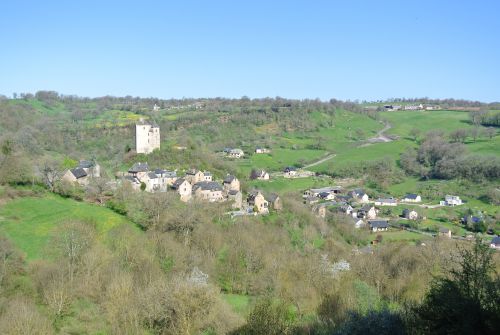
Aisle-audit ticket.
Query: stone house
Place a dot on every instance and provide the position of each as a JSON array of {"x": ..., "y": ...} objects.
[
  {"x": 208, "y": 191},
  {"x": 367, "y": 212},
  {"x": 76, "y": 175},
  {"x": 445, "y": 232},
  {"x": 184, "y": 188},
  {"x": 194, "y": 176},
  {"x": 236, "y": 197},
  {"x": 275, "y": 202},
  {"x": 236, "y": 153},
  {"x": 231, "y": 183},
  {"x": 257, "y": 201},
  {"x": 289, "y": 172},
  {"x": 410, "y": 214},
  {"x": 359, "y": 195},
  {"x": 207, "y": 176},
  {"x": 139, "y": 170},
  {"x": 259, "y": 175}
]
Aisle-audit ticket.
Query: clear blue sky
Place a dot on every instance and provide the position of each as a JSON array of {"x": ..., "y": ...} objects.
[{"x": 296, "y": 49}]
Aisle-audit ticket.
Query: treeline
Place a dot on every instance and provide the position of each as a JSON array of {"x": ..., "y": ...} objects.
[
  {"x": 438, "y": 158},
  {"x": 486, "y": 118}
]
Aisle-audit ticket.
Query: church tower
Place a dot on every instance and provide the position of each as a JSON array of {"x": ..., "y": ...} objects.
[{"x": 147, "y": 137}]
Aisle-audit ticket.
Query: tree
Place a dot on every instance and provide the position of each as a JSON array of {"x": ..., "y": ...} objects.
[
  {"x": 50, "y": 173},
  {"x": 475, "y": 133},
  {"x": 415, "y": 133},
  {"x": 490, "y": 132},
  {"x": 467, "y": 300},
  {"x": 458, "y": 135}
]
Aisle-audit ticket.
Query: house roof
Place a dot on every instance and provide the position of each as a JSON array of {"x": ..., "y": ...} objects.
[
  {"x": 289, "y": 168},
  {"x": 366, "y": 207},
  {"x": 208, "y": 186},
  {"x": 192, "y": 172},
  {"x": 139, "y": 167},
  {"x": 86, "y": 164},
  {"x": 229, "y": 179},
  {"x": 233, "y": 192},
  {"x": 253, "y": 194},
  {"x": 206, "y": 173},
  {"x": 273, "y": 197},
  {"x": 78, "y": 172},
  {"x": 444, "y": 230},
  {"x": 387, "y": 201},
  {"x": 496, "y": 240},
  {"x": 166, "y": 173},
  {"x": 378, "y": 223},
  {"x": 359, "y": 192},
  {"x": 132, "y": 179},
  {"x": 236, "y": 151},
  {"x": 178, "y": 183},
  {"x": 327, "y": 189},
  {"x": 411, "y": 196},
  {"x": 152, "y": 175}
]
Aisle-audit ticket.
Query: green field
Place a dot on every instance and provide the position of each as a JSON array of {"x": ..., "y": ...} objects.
[{"x": 29, "y": 222}]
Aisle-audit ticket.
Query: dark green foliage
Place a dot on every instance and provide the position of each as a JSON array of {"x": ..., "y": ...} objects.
[
  {"x": 466, "y": 302},
  {"x": 382, "y": 322}
]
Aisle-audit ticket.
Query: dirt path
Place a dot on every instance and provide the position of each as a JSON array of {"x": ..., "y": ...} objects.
[
  {"x": 322, "y": 160},
  {"x": 380, "y": 137}
]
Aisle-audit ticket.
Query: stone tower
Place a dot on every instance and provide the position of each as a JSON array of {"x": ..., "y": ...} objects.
[{"x": 147, "y": 137}]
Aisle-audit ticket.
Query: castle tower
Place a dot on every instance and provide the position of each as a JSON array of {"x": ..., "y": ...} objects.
[{"x": 147, "y": 137}]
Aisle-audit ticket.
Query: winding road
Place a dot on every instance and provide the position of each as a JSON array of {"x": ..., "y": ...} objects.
[{"x": 322, "y": 160}]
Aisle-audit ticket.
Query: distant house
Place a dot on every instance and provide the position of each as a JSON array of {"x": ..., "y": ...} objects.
[
  {"x": 414, "y": 107},
  {"x": 92, "y": 169},
  {"x": 359, "y": 223},
  {"x": 76, "y": 175},
  {"x": 236, "y": 197},
  {"x": 207, "y": 176},
  {"x": 133, "y": 182},
  {"x": 275, "y": 201},
  {"x": 495, "y": 242},
  {"x": 236, "y": 153},
  {"x": 325, "y": 193},
  {"x": 261, "y": 150},
  {"x": 184, "y": 188},
  {"x": 445, "y": 232},
  {"x": 386, "y": 202},
  {"x": 411, "y": 197},
  {"x": 471, "y": 219},
  {"x": 410, "y": 214},
  {"x": 359, "y": 195},
  {"x": 378, "y": 225},
  {"x": 259, "y": 175},
  {"x": 257, "y": 201},
  {"x": 231, "y": 183},
  {"x": 159, "y": 180},
  {"x": 208, "y": 190},
  {"x": 367, "y": 212},
  {"x": 289, "y": 172},
  {"x": 194, "y": 176},
  {"x": 139, "y": 170},
  {"x": 346, "y": 209},
  {"x": 451, "y": 200}
]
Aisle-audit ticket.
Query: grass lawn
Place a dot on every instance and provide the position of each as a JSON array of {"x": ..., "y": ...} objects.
[
  {"x": 283, "y": 185},
  {"x": 29, "y": 222},
  {"x": 401, "y": 235}
]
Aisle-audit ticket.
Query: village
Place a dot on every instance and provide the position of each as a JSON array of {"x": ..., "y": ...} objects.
[{"x": 196, "y": 185}]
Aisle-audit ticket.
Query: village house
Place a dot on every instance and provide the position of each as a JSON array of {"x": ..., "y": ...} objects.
[
  {"x": 378, "y": 225},
  {"x": 359, "y": 223},
  {"x": 359, "y": 195},
  {"x": 386, "y": 202},
  {"x": 236, "y": 153},
  {"x": 82, "y": 173},
  {"x": 346, "y": 209},
  {"x": 159, "y": 180},
  {"x": 207, "y": 176},
  {"x": 410, "y": 214},
  {"x": 451, "y": 200},
  {"x": 259, "y": 175},
  {"x": 139, "y": 170},
  {"x": 257, "y": 201},
  {"x": 210, "y": 191},
  {"x": 76, "y": 175},
  {"x": 289, "y": 172},
  {"x": 444, "y": 232},
  {"x": 236, "y": 197},
  {"x": 231, "y": 183},
  {"x": 413, "y": 107},
  {"x": 194, "y": 176},
  {"x": 411, "y": 197},
  {"x": 325, "y": 193},
  {"x": 495, "y": 243},
  {"x": 184, "y": 188},
  {"x": 147, "y": 137},
  {"x": 275, "y": 202},
  {"x": 261, "y": 150},
  {"x": 367, "y": 212},
  {"x": 133, "y": 182}
]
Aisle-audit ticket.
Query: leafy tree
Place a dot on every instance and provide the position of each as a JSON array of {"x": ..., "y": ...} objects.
[{"x": 465, "y": 302}]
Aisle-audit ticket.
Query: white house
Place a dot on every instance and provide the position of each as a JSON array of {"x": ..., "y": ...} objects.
[
  {"x": 378, "y": 225},
  {"x": 386, "y": 202},
  {"x": 451, "y": 200},
  {"x": 411, "y": 197},
  {"x": 236, "y": 153},
  {"x": 289, "y": 172},
  {"x": 261, "y": 150}
]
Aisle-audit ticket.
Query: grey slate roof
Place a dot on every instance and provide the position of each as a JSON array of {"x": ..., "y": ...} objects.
[
  {"x": 378, "y": 223},
  {"x": 139, "y": 167},
  {"x": 78, "y": 172},
  {"x": 229, "y": 178},
  {"x": 496, "y": 240},
  {"x": 411, "y": 196},
  {"x": 178, "y": 183},
  {"x": 208, "y": 186},
  {"x": 86, "y": 164}
]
